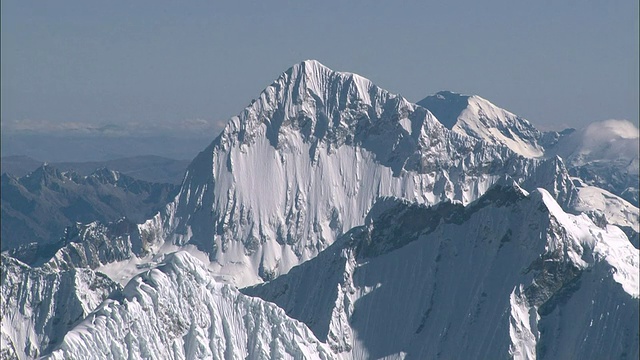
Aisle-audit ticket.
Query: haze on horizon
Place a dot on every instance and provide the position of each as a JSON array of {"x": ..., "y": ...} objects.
[{"x": 166, "y": 68}]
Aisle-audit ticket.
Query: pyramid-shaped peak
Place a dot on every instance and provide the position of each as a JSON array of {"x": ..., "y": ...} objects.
[
  {"x": 446, "y": 106},
  {"x": 315, "y": 75},
  {"x": 312, "y": 65},
  {"x": 312, "y": 87},
  {"x": 315, "y": 67}
]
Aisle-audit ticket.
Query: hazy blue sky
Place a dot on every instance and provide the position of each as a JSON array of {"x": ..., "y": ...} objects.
[{"x": 557, "y": 63}]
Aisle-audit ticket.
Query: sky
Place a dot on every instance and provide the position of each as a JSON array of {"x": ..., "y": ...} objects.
[{"x": 163, "y": 66}]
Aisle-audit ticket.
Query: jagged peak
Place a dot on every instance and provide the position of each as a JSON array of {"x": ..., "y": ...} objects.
[
  {"x": 106, "y": 174},
  {"x": 311, "y": 77},
  {"x": 322, "y": 102}
]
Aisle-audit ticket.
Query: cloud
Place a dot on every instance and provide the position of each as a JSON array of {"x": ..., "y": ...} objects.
[
  {"x": 611, "y": 129},
  {"x": 608, "y": 140},
  {"x": 194, "y": 127}
]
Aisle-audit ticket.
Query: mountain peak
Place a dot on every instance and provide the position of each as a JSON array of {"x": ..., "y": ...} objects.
[
  {"x": 310, "y": 77},
  {"x": 446, "y": 106},
  {"x": 477, "y": 117}
]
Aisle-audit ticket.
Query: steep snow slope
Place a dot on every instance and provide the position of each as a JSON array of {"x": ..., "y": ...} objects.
[
  {"x": 39, "y": 305},
  {"x": 511, "y": 275},
  {"x": 177, "y": 311},
  {"x": 479, "y": 118},
  {"x": 306, "y": 161}
]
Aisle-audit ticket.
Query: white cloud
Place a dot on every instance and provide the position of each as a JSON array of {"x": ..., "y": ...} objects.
[
  {"x": 608, "y": 140},
  {"x": 187, "y": 127}
]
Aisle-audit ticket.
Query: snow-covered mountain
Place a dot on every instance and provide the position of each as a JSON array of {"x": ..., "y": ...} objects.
[
  {"x": 509, "y": 276},
  {"x": 442, "y": 243},
  {"x": 39, "y": 305},
  {"x": 177, "y": 311},
  {"x": 603, "y": 154},
  {"x": 307, "y": 159},
  {"x": 479, "y": 118}
]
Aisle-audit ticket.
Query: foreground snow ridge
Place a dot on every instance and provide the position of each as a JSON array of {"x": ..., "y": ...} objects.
[{"x": 177, "y": 311}]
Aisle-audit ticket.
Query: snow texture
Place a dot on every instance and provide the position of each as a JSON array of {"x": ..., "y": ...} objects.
[
  {"x": 40, "y": 305},
  {"x": 177, "y": 311}
]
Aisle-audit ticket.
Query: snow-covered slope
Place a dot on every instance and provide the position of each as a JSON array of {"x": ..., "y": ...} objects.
[
  {"x": 40, "y": 305},
  {"x": 605, "y": 207},
  {"x": 306, "y": 160},
  {"x": 511, "y": 275},
  {"x": 479, "y": 118},
  {"x": 177, "y": 311}
]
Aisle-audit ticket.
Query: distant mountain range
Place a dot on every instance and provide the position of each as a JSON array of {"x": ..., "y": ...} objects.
[
  {"x": 37, "y": 207},
  {"x": 148, "y": 168},
  {"x": 58, "y": 146}
]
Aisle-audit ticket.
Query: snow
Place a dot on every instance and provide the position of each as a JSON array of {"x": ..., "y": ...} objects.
[
  {"x": 40, "y": 305},
  {"x": 477, "y": 117},
  {"x": 178, "y": 311},
  {"x": 321, "y": 187},
  {"x": 490, "y": 263},
  {"x": 604, "y": 154},
  {"x": 616, "y": 210},
  {"x": 609, "y": 245},
  {"x": 307, "y": 160}
]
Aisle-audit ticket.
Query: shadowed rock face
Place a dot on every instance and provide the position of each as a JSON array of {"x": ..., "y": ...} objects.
[
  {"x": 446, "y": 106},
  {"x": 37, "y": 207}
]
